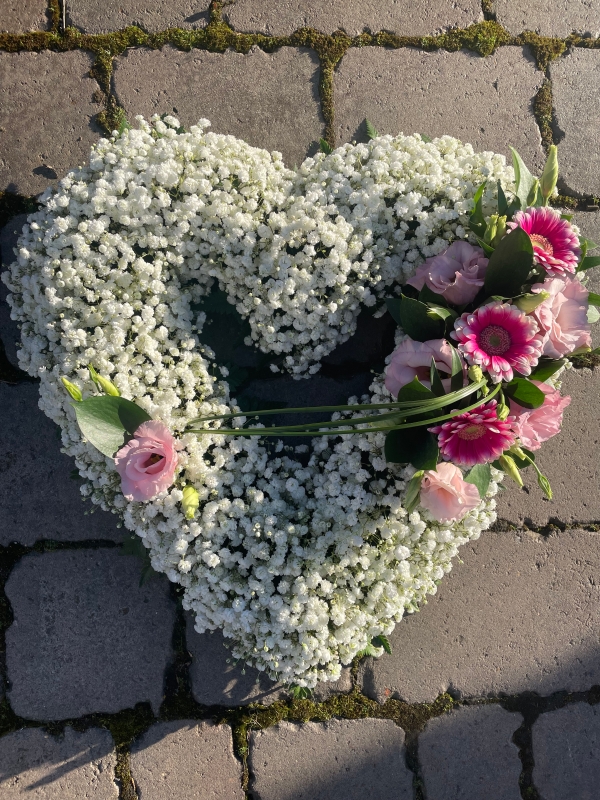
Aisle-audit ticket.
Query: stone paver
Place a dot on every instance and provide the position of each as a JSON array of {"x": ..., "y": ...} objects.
[
  {"x": 86, "y": 637},
  {"x": 113, "y": 15},
  {"x": 521, "y": 613},
  {"x": 47, "y": 117},
  {"x": 188, "y": 760},
  {"x": 484, "y": 101},
  {"x": 469, "y": 754},
  {"x": 335, "y": 760},
  {"x": 34, "y": 764},
  {"x": 219, "y": 683},
  {"x": 566, "y": 744},
  {"x": 556, "y": 18},
  {"x": 400, "y": 16},
  {"x": 38, "y": 497},
  {"x": 575, "y": 86},
  {"x": 17, "y": 16},
  {"x": 268, "y": 99},
  {"x": 9, "y": 332},
  {"x": 576, "y": 497}
]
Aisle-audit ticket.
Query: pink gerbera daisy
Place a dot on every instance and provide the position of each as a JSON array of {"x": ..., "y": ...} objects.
[
  {"x": 475, "y": 437},
  {"x": 555, "y": 243},
  {"x": 499, "y": 337}
]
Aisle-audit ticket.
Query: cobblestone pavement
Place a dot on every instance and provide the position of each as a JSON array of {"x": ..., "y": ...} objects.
[{"x": 106, "y": 691}]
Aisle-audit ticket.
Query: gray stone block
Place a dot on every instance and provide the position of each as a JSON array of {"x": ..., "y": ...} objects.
[
  {"x": 484, "y": 101},
  {"x": 352, "y": 16},
  {"x": 270, "y": 100},
  {"x": 158, "y": 15},
  {"x": 469, "y": 754},
  {"x": 335, "y": 760},
  {"x": 17, "y": 16},
  {"x": 188, "y": 760},
  {"x": 566, "y": 747},
  {"x": 38, "y": 497},
  {"x": 569, "y": 460},
  {"x": 217, "y": 680},
  {"x": 86, "y": 637},
  {"x": 74, "y": 765},
  {"x": 47, "y": 117},
  {"x": 520, "y": 613},
  {"x": 576, "y": 102},
  {"x": 556, "y": 18}
]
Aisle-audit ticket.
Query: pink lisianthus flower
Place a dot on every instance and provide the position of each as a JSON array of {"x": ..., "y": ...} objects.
[
  {"x": 475, "y": 437},
  {"x": 456, "y": 274},
  {"x": 562, "y": 318},
  {"x": 537, "y": 425},
  {"x": 555, "y": 243},
  {"x": 446, "y": 495},
  {"x": 147, "y": 463},
  {"x": 412, "y": 359},
  {"x": 499, "y": 337}
]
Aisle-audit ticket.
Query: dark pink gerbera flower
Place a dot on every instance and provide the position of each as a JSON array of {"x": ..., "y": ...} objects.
[
  {"x": 555, "y": 243},
  {"x": 499, "y": 337},
  {"x": 475, "y": 437}
]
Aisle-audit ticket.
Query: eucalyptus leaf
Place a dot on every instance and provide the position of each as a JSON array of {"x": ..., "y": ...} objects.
[
  {"x": 525, "y": 393},
  {"x": 107, "y": 421},
  {"x": 416, "y": 323},
  {"x": 480, "y": 476},
  {"x": 509, "y": 265},
  {"x": 524, "y": 180}
]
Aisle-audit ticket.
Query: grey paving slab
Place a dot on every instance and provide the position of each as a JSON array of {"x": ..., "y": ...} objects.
[
  {"x": 17, "y": 16},
  {"x": 576, "y": 86},
  {"x": 38, "y": 497},
  {"x": 520, "y": 613},
  {"x": 86, "y": 637},
  {"x": 46, "y": 117},
  {"x": 484, "y": 101},
  {"x": 555, "y": 18},
  {"x": 268, "y": 99},
  {"x": 218, "y": 680},
  {"x": 469, "y": 754},
  {"x": 566, "y": 748},
  {"x": 570, "y": 460},
  {"x": 188, "y": 760},
  {"x": 9, "y": 332},
  {"x": 354, "y": 17},
  {"x": 335, "y": 760},
  {"x": 91, "y": 16},
  {"x": 34, "y": 764}
]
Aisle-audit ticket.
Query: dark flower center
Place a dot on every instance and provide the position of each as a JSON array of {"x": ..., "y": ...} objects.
[
  {"x": 542, "y": 242},
  {"x": 472, "y": 432},
  {"x": 495, "y": 340}
]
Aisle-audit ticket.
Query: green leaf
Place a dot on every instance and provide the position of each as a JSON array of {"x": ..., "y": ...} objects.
[
  {"x": 436, "y": 382},
  {"x": 440, "y": 312},
  {"x": 487, "y": 248},
  {"x": 477, "y": 221},
  {"x": 593, "y": 315},
  {"x": 371, "y": 132},
  {"x": 589, "y": 245},
  {"x": 393, "y": 306},
  {"x": 502, "y": 201},
  {"x": 546, "y": 368},
  {"x": 107, "y": 421},
  {"x": 299, "y": 692},
  {"x": 382, "y": 641},
  {"x": 534, "y": 198},
  {"x": 325, "y": 147},
  {"x": 588, "y": 262},
  {"x": 414, "y": 391},
  {"x": 480, "y": 476},
  {"x": 509, "y": 265},
  {"x": 457, "y": 377},
  {"x": 426, "y": 295},
  {"x": 523, "y": 392},
  {"x": 425, "y": 138},
  {"x": 524, "y": 180},
  {"x": 414, "y": 446},
  {"x": 413, "y": 490},
  {"x": 544, "y": 485},
  {"x": 567, "y": 217},
  {"x": 416, "y": 323},
  {"x": 594, "y": 299}
]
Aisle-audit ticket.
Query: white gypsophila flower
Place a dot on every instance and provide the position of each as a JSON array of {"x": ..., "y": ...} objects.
[{"x": 300, "y": 562}]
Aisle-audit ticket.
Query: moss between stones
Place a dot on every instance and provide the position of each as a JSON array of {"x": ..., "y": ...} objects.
[
  {"x": 542, "y": 109},
  {"x": 545, "y": 48}
]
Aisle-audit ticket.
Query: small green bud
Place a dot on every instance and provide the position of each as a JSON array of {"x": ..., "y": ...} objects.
[
  {"x": 73, "y": 390},
  {"x": 550, "y": 173},
  {"x": 190, "y": 501},
  {"x": 529, "y": 302},
  {"x": 518, "y": 452},
  {"x": 491, "y": 229},
  {"x": 475, "y": 373},
  {"x": 502, "y": 411},
  {"x": 106, "y": 386},
  {"x": 510, "y": 468},
  {"x": 544, "y": 485},
  {"x": 93, "y": 375}
]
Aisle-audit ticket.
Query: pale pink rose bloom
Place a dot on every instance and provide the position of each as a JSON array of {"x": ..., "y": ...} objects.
[
  {"x": 456, "y": 274},
  {"x": 412, "y": 359},
  {"x": 446, "y": 495},
  {"x": 537, "y": 425},
  {"x": 147, "y": 463},
  {"x": 562, "y": 318}
]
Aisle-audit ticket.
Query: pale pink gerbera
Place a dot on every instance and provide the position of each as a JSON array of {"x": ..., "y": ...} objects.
[
  {"x": 555, "y": 243},
  {"x": 475, "y": 437},
  {"x": 499, "y": 337}
]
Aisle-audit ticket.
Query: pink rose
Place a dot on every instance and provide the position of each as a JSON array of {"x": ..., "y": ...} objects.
[
  {"x": 456, "y": 274},
  {"x": 534, "y": 426},
  {"x": 147, "y": 463},
  {"x": 446, "y": 495},
  {"x": 563, "y": 316},
  {"x": 413, "y": 360}
]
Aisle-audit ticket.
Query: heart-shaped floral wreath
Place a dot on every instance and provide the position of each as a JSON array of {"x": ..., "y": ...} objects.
[{"x": 304, "y": 559}]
